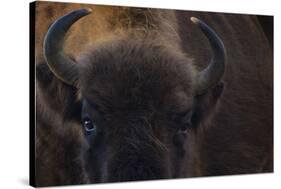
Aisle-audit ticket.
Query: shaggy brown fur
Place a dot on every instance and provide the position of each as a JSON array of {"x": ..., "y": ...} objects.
[
  {"x": 138, "y": 78},
  {"x": 104, "y": 22}
]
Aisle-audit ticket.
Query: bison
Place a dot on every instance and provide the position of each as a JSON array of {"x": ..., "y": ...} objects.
[{"x": 130, "y": 94}]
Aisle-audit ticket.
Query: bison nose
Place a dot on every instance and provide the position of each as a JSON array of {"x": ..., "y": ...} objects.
[{"x": 135, "y": 169}]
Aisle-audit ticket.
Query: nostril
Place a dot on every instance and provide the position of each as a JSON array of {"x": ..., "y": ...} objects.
[{"x": 136, "y": 169}]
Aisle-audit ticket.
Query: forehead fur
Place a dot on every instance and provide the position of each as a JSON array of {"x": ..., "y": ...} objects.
[{"x": 132, "y": 73}]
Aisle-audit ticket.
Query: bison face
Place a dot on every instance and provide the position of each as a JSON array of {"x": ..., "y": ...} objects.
[
  {"x": 137, "y": 109},
  {"x": 142, "y": 102}
]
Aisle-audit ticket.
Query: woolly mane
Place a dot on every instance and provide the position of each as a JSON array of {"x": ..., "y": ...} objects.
[{"x": 107, "y": 22}]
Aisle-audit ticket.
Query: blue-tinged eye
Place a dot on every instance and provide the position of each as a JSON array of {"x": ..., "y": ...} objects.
[
  {"x": 184, "y": 128},
  {"x": 89, "y": 126}
]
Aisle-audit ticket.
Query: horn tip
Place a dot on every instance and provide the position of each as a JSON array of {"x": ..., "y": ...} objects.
[
  {"x": 88, "y": 10},
  {"x": 194, "y": 20}
]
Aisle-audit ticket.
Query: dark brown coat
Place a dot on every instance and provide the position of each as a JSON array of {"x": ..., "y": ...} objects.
[{"x": 236, "y": 137}]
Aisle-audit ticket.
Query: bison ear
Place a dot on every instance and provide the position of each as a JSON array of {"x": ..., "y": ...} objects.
[
  {"x": 61, "y": 96},
  {"x": 205, "y": 104}
]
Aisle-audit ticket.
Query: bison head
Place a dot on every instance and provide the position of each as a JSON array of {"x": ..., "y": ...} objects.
[{"x": 142, "y": 102}]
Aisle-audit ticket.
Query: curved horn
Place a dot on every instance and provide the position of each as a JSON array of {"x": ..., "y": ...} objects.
[
  {"x": 211, "y": 75},
  {"x": 60, "y": 64}
]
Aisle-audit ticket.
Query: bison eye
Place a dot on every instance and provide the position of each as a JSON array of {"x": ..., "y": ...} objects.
[
  {"x": 89, "y": 125},
  {"x": 183, "y": 120},
  {"x": 184, "y": 127}
]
